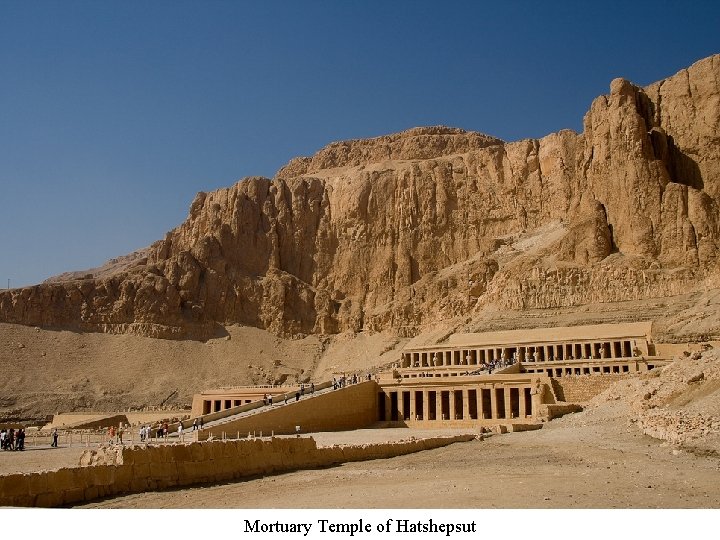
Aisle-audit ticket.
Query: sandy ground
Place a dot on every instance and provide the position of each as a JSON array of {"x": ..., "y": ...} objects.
[
  {"x": 564, "y": 465},
  {"x": 39, "y": 458}
]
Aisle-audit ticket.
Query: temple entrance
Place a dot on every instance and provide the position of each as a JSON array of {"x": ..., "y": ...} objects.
[
  {"x": 500, "y": 402},
  {"x": 432, "y": 406},
  {"x": 486, "y": 402},
  {"x": 472, "y": 404},
  {"x": 445, "y": 404},
  {"x": 393, "y": 407}
]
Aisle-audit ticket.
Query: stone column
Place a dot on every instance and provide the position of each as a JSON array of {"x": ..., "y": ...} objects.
[
  {"x": 508, "y": 408},
  {"x": 426, "y": 405},
  {"x": 438, "y": 405},
  {"x": 388, "y": 409},
  {"x": 412, "y": 404},
  {"x": 480, "y": 410},
  {"x": 493, "y": 403},
  {"x": 523, "y": 406},
  {"x": 536, "y": 396},
  {"x": 466, "y": 404},
  {"x": 452, "y": 404}
]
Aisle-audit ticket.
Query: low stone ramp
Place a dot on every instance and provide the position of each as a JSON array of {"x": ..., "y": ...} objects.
[{"x": 99, "y": 422}]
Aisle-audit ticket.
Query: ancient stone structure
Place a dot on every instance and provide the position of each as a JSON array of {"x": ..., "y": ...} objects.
[
  {"x": 456, "y": 383},
  {"x": 432, "y": 223},
  {"x": 507, "y": 377},
  {"x": 605, "y": 348},
  {"x": 222, "y": 399}
]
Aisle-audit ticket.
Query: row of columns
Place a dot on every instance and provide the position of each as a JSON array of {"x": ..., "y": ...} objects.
[
  {"x": 217, "y": 405},
  {"x": 523, "y": 353},
  {"x": 479, "y": 403}
]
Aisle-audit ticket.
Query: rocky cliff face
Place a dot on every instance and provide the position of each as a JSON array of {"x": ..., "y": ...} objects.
[{"x": 432, "y": 223}]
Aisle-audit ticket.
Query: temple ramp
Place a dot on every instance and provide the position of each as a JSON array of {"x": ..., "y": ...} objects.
[{"x": 347, "y": 408}]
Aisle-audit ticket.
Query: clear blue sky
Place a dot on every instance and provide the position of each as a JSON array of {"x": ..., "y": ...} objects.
[{"x": 114, "y": 114}]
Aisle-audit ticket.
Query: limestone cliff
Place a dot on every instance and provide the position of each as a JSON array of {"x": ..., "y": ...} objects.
[{"x": 432, "y": 223}]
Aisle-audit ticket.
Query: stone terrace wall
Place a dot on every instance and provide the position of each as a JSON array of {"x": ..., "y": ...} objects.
[
  {"x": 583, "y": 388},
  {"x": 141, "y": 469},
  {"x": 352, "y": 407}
]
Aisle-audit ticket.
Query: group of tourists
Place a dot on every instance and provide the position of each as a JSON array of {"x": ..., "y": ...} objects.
[
  {"x": 341, "y": 382},
  {"x": 115, "y": 435},
  {"x": 268, "y": 399},
  {"x": 12, "y": 439}
]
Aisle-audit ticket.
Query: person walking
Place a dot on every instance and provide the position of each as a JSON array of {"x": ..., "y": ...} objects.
[{"x": 54, "y": 438}]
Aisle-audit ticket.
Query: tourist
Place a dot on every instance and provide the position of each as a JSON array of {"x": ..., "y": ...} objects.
[
  {"x": 285, "y": 398},
  {"x": 297, "y": 396},
  {"x": 54, "y": 438},
  {"x": 265, "y": 400},
  {"x": 120, "y": 433},
  {"x": 165, "y": 430},
  {"x": 270, "y": 400},
  {"x": 312, "y": 388},
  {"x": 202, "y": 422},
  {"x": 21, "y": 439},
  {"x": 3, "y": 436},
  {"x": 180, "y": 432},
  {"x": 195, "y": 425}
]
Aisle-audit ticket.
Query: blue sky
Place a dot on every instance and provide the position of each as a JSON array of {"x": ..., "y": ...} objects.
[{"x": 114, "y": 114}]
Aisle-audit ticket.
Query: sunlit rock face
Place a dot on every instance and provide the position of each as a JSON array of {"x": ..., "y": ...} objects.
[{"x": 396, "y": 232}]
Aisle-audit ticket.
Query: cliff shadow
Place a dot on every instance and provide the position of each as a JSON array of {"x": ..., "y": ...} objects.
[{"x": 682, "y": 168}]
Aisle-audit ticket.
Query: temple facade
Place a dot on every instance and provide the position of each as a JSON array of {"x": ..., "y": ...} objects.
[
  {"x": 222, "y": 399},
  {"x": 481, "y": 379},
  {"x": 507, "y": 376}
]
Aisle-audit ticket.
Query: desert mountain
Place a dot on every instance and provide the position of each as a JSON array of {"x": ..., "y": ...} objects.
[{"x": 400, "y": 231}]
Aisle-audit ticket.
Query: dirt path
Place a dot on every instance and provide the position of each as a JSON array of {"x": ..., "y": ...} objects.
[{"x": 565, "y": 465}]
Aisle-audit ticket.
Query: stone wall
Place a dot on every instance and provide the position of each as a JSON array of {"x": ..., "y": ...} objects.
[
  {"x": 353, "y": 407},
  {"x": 139, "y": 469},
  {"x": 583, "y": 388}
]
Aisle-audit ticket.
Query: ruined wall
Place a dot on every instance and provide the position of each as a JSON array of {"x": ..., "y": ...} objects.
[
  {"x": 141, "y": 469},
  {"x": 582, "y": 388},
  {"x": 353, "y": 407}
]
